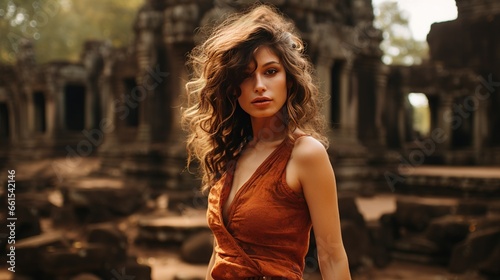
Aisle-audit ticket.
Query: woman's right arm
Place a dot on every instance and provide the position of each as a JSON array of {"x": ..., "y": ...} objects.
[{"x": 211, "y": 264}]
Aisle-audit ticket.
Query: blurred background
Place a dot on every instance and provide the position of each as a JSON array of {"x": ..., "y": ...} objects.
[{"x": 93, "y": 160}]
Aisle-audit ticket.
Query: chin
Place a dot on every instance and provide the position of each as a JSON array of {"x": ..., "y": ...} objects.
[{"x": 262, "y": 116}]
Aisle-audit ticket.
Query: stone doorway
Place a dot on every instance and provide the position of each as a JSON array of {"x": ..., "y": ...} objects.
[
  {"x": 495, "y": 121},
  {"x": 421, "y": 115},
  {"x": 132, "y": 118},
  {"x": 4, "y": 122},
  {"x": 462, "y": 125},
  {"x": 335, "y": 94},
  {"x": 40, "y": 119},
  {"x": 74, "y": 104}
]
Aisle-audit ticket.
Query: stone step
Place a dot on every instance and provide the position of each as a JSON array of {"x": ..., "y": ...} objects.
[
  {"x": 448, "y": 230},
  {"x": 98, "y": 199},
  {"x": 475, "y": 250},
  {"x": 169, "y": 230},
  {"x": 464, "y": 182}
]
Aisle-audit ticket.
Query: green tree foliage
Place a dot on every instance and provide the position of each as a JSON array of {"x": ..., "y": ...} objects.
[
  {"x": 399, "y": 46},
  {"x": 59, "y": 27}
]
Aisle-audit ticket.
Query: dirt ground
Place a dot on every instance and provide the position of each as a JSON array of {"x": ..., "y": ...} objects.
[
  {"x": 371, "y": 208},
  {"x": 168, "y": 267},
  {"x": 166, "y": 264}
]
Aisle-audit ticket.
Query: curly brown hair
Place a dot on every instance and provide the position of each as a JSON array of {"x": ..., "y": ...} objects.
[{"x": 218, "y": 127}]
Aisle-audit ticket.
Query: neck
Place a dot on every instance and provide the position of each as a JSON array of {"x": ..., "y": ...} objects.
[{"x": 268, "y": 129}]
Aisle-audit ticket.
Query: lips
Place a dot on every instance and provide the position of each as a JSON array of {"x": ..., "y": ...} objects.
[{"x": 261, "y": 99}]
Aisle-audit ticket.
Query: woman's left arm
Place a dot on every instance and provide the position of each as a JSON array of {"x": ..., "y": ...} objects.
[{"x": 317, "y": 179}]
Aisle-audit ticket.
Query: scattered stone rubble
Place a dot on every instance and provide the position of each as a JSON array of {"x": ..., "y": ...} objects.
[
  {"x": 459, "y": 233},
  {"x": 56, "y": 256}
]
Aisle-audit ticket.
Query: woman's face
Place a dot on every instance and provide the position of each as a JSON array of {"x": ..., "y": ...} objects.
[{"x": 264, "y": 89}]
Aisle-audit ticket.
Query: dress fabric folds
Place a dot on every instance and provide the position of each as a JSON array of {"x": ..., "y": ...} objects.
[{"x": 268, "y": 223}]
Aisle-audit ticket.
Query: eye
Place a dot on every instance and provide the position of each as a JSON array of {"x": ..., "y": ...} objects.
[{"x": 271, "y": 71}]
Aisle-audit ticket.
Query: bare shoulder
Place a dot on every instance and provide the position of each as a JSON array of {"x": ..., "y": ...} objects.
[
  {"x": 311, "y": 165},
  {"x": 308, "y": 161},
  {"x": 308, "y": 150}
]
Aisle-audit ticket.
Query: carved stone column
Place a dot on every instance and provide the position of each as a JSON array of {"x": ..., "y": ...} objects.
[
  {"x": 92, "y": 61},
  {"x": 55, "y": 93},
  {"x": 30, "y": 112},
  {"x": 149, "y": 58},
  {"x": 323, "y": 72},
  {"x": 106, "y": 86},
  {"x": 179, "y": 23},
  {"x": 368, "y": 79},
  {"x": 25, "y": 68},
  {"x": 445, "y": 112},
  {"x": 50, "y": 115},
  {"x": 381, "y": 95},
  {"x": 348, "y": 105},
  {"x": 480, "y": 131}
]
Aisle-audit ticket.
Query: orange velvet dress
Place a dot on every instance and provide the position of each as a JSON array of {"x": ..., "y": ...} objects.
[{"x": 267, "y": 231}]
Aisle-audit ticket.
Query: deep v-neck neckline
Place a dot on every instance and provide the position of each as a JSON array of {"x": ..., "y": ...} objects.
[{"x": 228, "y": 185}]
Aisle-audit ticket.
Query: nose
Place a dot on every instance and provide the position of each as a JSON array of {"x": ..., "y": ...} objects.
[{"x": 260, "y": 87}]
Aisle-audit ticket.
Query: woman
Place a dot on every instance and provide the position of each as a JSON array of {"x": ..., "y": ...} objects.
[{"x": 253, "y": 121}]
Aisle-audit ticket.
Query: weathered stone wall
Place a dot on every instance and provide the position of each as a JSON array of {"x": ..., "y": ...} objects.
[
  {"x": 124, "y": 102},
  {"x": 461, "y": 84}
]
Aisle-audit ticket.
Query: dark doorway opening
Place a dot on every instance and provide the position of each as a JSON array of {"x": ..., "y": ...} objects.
[
  {"x": 40, "y": 120},
  {"x": 132, "y": 118},
  {"x": 74, "y": 104},
  {"x": 336, "y": 87},
  {"x": 463, "y": 126},
  {"x": 495, "y": 120},
  {"x": 4, "y": 122}
]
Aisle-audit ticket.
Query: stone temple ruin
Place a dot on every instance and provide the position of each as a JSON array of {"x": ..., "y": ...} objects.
[{"x": 99, "y": 151}]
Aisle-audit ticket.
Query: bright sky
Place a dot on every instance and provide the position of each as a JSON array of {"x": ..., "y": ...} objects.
[
  {"x": 418, "y": 99},
  {"x": 425, "y": 12}
]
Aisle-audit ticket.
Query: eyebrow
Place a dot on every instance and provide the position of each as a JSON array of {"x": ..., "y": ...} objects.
[
  {"x": 270, "y": 62},
  {"x": 265, "y": 64}
]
